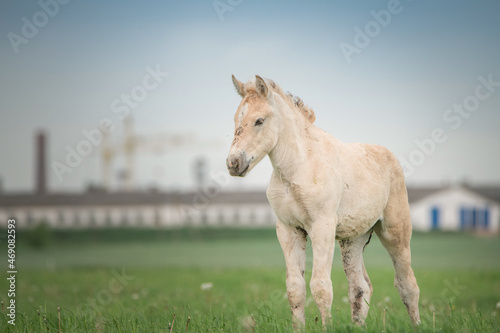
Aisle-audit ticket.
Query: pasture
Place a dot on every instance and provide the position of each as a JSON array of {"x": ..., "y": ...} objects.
[{"x": 233, "y": 280}]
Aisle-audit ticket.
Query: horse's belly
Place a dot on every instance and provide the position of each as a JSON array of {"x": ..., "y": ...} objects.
[
  {"x": 360, "y": 210},
  {"x": 356, "y": 219},
  {"x": 349, "y": 227}
]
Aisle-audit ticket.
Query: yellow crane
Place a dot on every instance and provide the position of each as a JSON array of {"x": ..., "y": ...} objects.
[{"x": 133, "y": 143}]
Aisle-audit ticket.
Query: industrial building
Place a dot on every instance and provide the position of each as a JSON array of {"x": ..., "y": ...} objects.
[
  {"x": 439, "y": 208},
  {"x": 137, "y": 209}
]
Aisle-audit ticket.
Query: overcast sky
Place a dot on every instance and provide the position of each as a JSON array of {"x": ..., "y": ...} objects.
[{"x": 377, "y": 72}]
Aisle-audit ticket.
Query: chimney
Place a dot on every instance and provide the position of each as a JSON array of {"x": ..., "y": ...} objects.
[{"x": 40, "y": 170}]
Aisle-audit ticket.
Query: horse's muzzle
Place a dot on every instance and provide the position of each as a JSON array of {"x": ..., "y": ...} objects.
[{"x": 237, "y": 166}]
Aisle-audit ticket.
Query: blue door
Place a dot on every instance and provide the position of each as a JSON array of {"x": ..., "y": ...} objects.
[
  {"x": 463, "y": 218},
  {"x": 486, "y": 218},
  {"x": 435, "y": 218},
  {"x": 475, "y": 217}
]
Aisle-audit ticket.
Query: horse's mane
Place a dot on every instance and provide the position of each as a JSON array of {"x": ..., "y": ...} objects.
[{"x": 295, "y": 102}]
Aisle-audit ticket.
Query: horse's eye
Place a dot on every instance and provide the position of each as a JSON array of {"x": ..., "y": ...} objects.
[{"x": 259, "y": 122}]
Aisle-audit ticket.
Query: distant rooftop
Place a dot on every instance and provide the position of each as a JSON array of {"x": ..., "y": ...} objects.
[{"x": 490, "y": 191}]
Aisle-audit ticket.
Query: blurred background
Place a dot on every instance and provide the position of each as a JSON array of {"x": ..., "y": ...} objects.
[
  {"x": 116, "y": 119},
  {"x": 116, "y": 114}
]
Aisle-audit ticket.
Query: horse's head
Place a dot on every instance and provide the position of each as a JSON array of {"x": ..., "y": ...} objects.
[{"x": 256, "y": 126}]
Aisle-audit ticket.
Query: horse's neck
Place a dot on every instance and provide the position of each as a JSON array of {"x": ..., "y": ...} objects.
[{"x": 289, "y": 156}]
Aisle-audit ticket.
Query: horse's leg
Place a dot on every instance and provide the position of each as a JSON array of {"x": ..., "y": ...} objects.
[
  {"x": 394, "y": 232},
  {"x": 293, "y": 244},
  {"x": 360, "y": 288},
  {"x": 322, "y": 234}
]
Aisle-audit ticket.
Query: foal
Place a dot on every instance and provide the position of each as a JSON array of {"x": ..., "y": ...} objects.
[{"x": 325, "y": 189}]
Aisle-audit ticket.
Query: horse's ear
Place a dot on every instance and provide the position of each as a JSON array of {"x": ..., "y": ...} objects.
[
  {"x": 262, "y": 88},
  {"x": 239, "y": 87}
]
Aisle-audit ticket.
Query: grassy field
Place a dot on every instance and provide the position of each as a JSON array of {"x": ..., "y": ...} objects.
[{"x": 234, "y": 281}]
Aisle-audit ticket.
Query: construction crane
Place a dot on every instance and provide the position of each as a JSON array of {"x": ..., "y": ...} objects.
[{"x": 133, "y": 143}]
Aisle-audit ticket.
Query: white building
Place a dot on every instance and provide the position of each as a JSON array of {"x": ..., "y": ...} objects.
[
  {"x": 140, "y": 209},
  {"x": 455, "y": 208}
]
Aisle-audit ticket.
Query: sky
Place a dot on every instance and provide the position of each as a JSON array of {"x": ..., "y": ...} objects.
[{"x": 419, "y": 77}]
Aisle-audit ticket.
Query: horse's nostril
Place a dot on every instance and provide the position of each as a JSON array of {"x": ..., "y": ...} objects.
[{"x": 233, "y": 164}]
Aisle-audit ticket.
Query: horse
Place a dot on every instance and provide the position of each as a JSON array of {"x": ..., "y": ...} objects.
[{"x": 328, "y": 190}]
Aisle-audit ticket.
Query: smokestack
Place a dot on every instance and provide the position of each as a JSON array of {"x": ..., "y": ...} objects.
[{"x": 40, "y": 172}]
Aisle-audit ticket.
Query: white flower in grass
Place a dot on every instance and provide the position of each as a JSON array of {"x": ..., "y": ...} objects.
[
  {"x": 206, "y": 286},
  {"x": 248, "y": 323},
  {"x": 135, "y": 296},
  {"x": 254, "y": 287},
  {"x": 345, "y": 299},
  {"x": 387, "y": 299},
  {"x": 498, "y": 305}
]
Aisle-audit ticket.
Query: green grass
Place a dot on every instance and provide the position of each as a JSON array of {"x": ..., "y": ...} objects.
[{"x": 459, "y": 278}]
